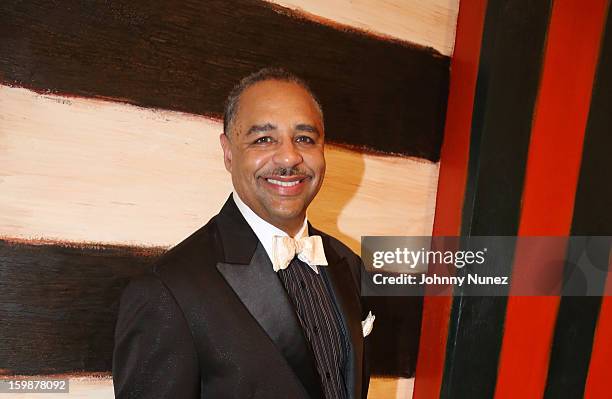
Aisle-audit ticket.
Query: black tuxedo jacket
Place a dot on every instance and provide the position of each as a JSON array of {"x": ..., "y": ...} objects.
[{"x": 211, "y": 319}]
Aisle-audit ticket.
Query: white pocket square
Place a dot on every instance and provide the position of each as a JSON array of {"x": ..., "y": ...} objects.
[{"x": 368, "y": 324}]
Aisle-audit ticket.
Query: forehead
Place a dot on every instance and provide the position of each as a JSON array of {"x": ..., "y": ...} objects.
[{"x": 274, "y": 98}]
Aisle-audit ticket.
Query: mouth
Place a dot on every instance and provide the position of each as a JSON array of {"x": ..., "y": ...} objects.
[
  {"x": 284, "y": 183},
  {"x": 286, "y": 186}
]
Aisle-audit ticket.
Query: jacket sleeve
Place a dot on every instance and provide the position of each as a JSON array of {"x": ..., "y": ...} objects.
[{"x": 154, "y": 354}]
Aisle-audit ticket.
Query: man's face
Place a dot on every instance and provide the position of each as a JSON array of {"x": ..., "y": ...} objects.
[{"x": 275, "y": 152}]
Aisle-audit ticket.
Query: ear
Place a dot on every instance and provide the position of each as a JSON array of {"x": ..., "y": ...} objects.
[{"x": 227, "y": 151}]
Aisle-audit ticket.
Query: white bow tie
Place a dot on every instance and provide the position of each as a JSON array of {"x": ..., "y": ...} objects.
[{"x": 308, "y": 250}]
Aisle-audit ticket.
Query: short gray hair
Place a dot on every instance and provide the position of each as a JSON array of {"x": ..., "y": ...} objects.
[{"x": 231, "y": 103}]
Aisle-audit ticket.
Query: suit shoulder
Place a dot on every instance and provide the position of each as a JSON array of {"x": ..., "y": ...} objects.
[
  {"x": 144, "y": 294},
  {"x": 144, "y": 283}
]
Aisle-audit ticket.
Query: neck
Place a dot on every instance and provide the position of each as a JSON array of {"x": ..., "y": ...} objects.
[
  {"x": 291, "y": 229},
  {"x": 291, "y": 226}
]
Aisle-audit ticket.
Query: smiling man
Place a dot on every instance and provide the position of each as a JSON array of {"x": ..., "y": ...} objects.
[
  {"x": 257, "y": 303},
  {"x": 273, "y": 147}
]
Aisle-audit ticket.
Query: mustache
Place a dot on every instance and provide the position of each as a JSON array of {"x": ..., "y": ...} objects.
[{"x": 287, "y": 172}]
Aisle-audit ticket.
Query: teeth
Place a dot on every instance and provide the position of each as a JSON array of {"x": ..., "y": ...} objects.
[{"x": 283, "y": 183}]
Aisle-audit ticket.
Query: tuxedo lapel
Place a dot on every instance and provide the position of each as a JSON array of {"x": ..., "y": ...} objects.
[
  {"x": 348, "y": 302},
  {"x": 248, "y": 270}
]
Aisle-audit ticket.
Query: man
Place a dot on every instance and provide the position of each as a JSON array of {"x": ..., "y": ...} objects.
[{"x": 257, "y": 303}]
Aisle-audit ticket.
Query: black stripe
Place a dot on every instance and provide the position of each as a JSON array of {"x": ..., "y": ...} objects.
[
  {"x": 592, "y": 214},
  {"x": 577, "y": 318},
  {"x": 508, "y": 78},
  {"x": 396, "y": 337},
  {"x": 58, "y": 304},
  {"x": 381, "y": 94}
]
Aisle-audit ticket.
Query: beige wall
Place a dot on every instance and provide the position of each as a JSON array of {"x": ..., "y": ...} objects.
[
  {"x": 429, "y": 23},
  {"x": 85, "y": 170}
]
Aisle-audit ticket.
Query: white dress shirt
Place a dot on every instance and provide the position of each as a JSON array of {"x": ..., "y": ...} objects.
[{"x": 266, "y": 231}]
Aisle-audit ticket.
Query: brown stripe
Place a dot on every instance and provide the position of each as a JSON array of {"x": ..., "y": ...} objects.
[
  {"x": 381, "y": 94},
  {"x": 58, "y": 304}
]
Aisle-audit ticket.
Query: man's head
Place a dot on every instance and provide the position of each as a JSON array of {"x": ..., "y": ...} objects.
[{"x": 273, "y": 146}]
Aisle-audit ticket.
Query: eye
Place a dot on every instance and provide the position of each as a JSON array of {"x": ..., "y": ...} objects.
[
  {"x": 304, "y": 139},
  {"x": 263, "y": 140}
]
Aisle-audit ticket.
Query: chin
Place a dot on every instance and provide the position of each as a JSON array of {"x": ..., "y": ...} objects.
[{"x": 287, "y": 211}]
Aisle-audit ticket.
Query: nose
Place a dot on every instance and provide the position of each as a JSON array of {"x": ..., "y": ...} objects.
[{"x": 287, "y": 154}]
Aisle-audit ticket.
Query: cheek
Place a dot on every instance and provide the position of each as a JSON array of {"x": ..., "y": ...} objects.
[
  {"x": 253, "y": 163},
  {"x": 316, "y": 162}
]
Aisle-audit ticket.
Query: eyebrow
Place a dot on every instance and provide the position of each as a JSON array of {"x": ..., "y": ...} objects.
[
  {"x": 304, "y": 127},
  {"x": 266, "y": 127}
]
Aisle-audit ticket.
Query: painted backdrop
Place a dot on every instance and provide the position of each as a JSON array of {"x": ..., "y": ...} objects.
[{"x": 109, "y": 155}]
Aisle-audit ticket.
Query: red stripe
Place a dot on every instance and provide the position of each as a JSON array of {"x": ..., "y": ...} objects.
[
  {"x": 550, "y": 184},
  {"x": 451, "y": 188}
]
